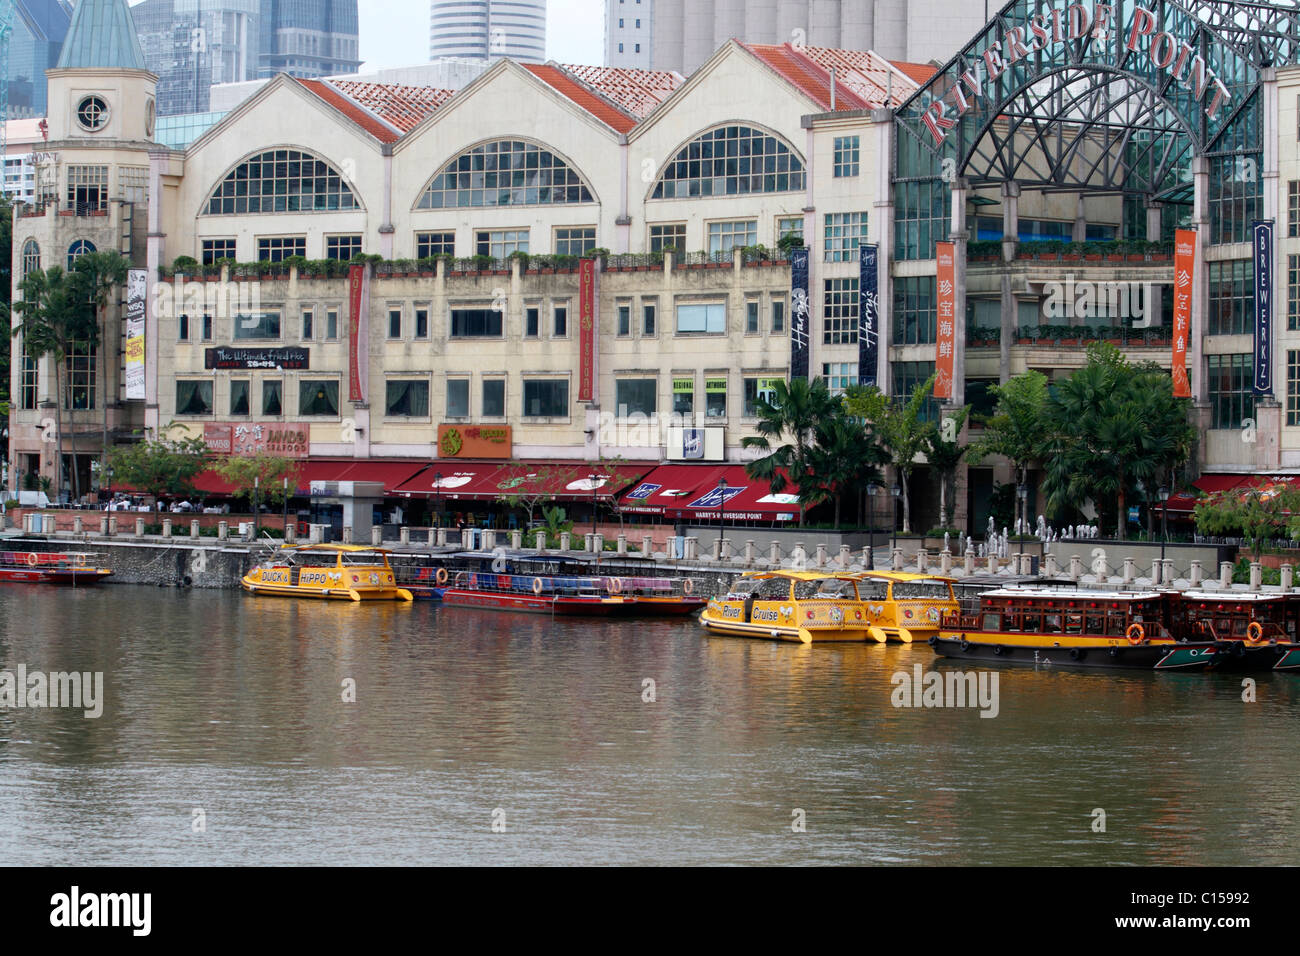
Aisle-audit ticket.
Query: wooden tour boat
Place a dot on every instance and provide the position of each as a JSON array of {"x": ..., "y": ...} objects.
[
  {"x": 1058, "y": 626},
  {"x": 903, "y": 606},
  {"x": 595, "y": 595},
  {"x": 803, "y": 606},
  {"x": 70, "y": 568},
  {"x": 1254, "y": 630},
  {"x": 331, "y": 571}
]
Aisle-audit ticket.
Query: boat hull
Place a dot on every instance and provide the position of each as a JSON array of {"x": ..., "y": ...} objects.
[
  {"x": 1237, "y": 657},
  {"x": 613, "y": 606},
  {"x": 1125, "y": 656},
  {"x": 328, "y": 594},
  {"x": 775, "y": 632},
  {"x": 66, "y": 577}
]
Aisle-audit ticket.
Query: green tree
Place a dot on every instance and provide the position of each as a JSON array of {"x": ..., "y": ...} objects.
[
  {"x": 845, "y": 457},
  {"x": 900, "y": 427},
  {"x": 265, "y": 472},
  {"x": 1257, "y": 514},
  {"x": 160, "y": 466},
  {"x": 944, "y": 455},
  {"x": 1016, "y": 429},
  {"x": 98, "y": 273},
  {"x": 796, "y": 410},
  {"x": 526, "y": 486}
]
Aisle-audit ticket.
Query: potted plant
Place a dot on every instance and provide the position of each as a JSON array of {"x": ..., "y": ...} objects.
[{"x": 520, "y": 257}]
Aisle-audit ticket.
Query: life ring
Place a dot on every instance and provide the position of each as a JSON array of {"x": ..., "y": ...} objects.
[
  {"x": 1076, "y": 654},
  {"x": 1135, "y": 633},
  {"x": 440, "y": 577},
  {"x": 460, "y": 578},
  {"x": 965, "y": 644},
  {"x": 81, "y": 560},
  {"x": 1254, "y": 632},
  {"x": 614, "y": 585},
  {"x": 997, "y": 649},
  {"x": 688, "y": 586},
  {"x": 32, "y": 559},
  {"x": 538, "y": 586}
]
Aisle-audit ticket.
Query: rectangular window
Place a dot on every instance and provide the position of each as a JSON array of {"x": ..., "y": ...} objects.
[
  {"x": 914, "y": 310},
  {"x": 215, "y": 249},
  {"x": 475, "y": 323},
  {"x": 331, "y": 324},
  {"x": 624, "y": 320},
  {"x": 839, "y": 375},
  {"x": 778, "y": 315},
  {"x": 458, "y": 398},
  {"x": 1232, "y": 297},
  {"x": 1293, "y": 293},
  {"x": 183, "y": 327},
  {"x": 272, "y": 401},
  {"x": 406, "y": 398},
  {"x": 532, "y": 322},
  {"x": 908, "y": 377},
  {"x": 434, "y": 244},
  {"x": 725, "y": 236},
  {"x": 574, "y": 240},
  {"x": 30, "y": 381},
  {"x": 715, "y": 397},
  {"x": 79, "y": 367},
  {"x": 684, "y": 396},
  {"x": 1228, "y": 386},
  {"x": 193, "y": 397},
  {"x": 670, "y": 235},
  {"x": 546, "y": 398},
  {"x": 239, "y": 390},
  {"x": 1293, "y": 208},
  {"x": 279, "y": 248},
  {"x": 319, "y": 397},
  {"x": 648, "y": 320},
  {"x": 751, "y": 315},
  {"x": 421, "y": 323},
  {"x": 306, "y": 325},
  {"x": 494, "y": 398},
  {"x": 87, "y": 189},
  {"x": 847, "y": 152},
  {"x": 561, "y": 321},
  {"x": 1292, "y": 387},
  {"x": 1235, "y": 198},
  {"x": 207, "y": 327},
  {"x": 257, "y": 325},
  {"x": 711, "y": 318},
  {"x": 342, "y": 248},
  {"x": 133, "y": 184},
  {"x": 635, "y": 396},
  {"x": 789, "y": 226},
  {"x": 394, "y": 323},
  {"x": 756, "y": 388},
  {"x": 921, "y": 216},
  {"x": 499, "y": 243},
  {"x": 840, "y": 312},
  {"x": 844, "y": 230}
]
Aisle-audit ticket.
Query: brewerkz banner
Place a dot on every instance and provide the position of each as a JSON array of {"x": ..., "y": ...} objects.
[
  {"x": 224, "y": 357},
  {"x": 868, "y": 314},
  {"x": 358, "y": 308},
  {"x": 799, "y": 317},
  {"x": 1262, "y": 248},
  {"x": 1184, "y": 268},
  {"x": 587, "y": 331},
  {"x": 946, "y": 311},
  {"x": 136, "y": 281}
]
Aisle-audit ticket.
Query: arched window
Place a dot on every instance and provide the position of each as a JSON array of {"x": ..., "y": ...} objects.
[
  {"x": 731, "y": 161},
  {"x": 31, "y": 257},
  {"x": 281, "y": 180},
  {"x": 79, "y": 249},
  {"x": 505, "y": 173}
]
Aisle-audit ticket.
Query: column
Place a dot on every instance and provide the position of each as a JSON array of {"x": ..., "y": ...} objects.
[
  {"x": 957, "y": 234},
  {"x": 881, "y": 230}
]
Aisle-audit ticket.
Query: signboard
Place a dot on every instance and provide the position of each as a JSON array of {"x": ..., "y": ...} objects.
[
  {"x": 136, "y": 282},
  {"x": 287, "y": 358},
  {"x": 243, "y": 439},
  {"x": 717, "y": 497},
  {"x": 1184, "y": 267},
  {"x": 1262, "y": 250},
  {"x": 946, "y": 318},
  {"x": 868, "y": 309},
  {"x": 358, "y": 309},
  {"x": 692, "y": 443},
  {"x": 643, "y": 491},
  {"x": 799, "y": 313},
  {"x": 587, "y": 331},
  {"x": 474, "y": 441}
]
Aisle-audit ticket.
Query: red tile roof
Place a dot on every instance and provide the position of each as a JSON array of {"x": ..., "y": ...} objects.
[
  {"x": 863, "y": 78},
  {"x": 806, "y": 75},
  {"x": 637, "y": 91},
  {"x": 597, "y": 105},
  {"x": 920, "y": 72},
  {"x": 402, "y": 106},
  {"x": 371, "y": 124}
]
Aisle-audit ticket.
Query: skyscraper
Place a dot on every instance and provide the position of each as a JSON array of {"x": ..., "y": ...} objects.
[
  {"x": 488, "y": 29},
  {"x": 38, "y": 30},
  {"x": 308, "y": 38}
]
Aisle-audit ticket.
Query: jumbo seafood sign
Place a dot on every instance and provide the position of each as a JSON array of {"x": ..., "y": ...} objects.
[{"x": 1139, "y": 45}]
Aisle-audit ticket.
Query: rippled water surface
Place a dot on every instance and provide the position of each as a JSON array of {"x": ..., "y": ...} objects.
[{"x": 234, "y": 705}]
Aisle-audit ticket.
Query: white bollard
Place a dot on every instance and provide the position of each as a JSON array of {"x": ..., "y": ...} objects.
[
  {"x": 749, "y": 552},
  {"x": 717, "y": 549},
  {"x": 139, "y": 527},
  {"x": 376, "y": 535},
  {"x": 517, "y": 539},
  {"x": 993, "y": 564},
  {"x": 922, "y": 561},
  {"x": 291, "y": 533},
  {"x": 945, "y": 561},
  {"x": 541, "y": 541},
  {"x": 1225, "y": 574},
  {"x": 166, "y": 529},
  {"x": 846, "y": 557},
  {"x": 692, "y": 548},
  {"x": 1285, "y": 575},
  {"x": 1130, "y": 569},
  {"x": 968, "y": 563},
  {"x": 897, "y": 559},
  {"x": 622, "y": 545},
  {"x": 647, "y": 546},
  {"x": 1050, "y": 565},
  {"x": 194, "y": 527},
  {"x": 104, "y": 522},
  {"x": 1194, "y": 576},
  {"x": 404, "y": 535},
  {"x": 223, "y": 529},
  {"x": 774, "y": 554},
  {"x": 76, "y": 525},
  {"x": 821, "y": 555},
  {"x": 489, "y": 539},
  {"x": 1167, "y": 576},
  {"x": 1256, "y": 576},
  {"x": 566, "y": 539}
]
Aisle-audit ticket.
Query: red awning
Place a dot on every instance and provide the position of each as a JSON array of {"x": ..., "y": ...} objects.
[
  {"x": 488, "y": 481},
  {"x": 691, "y": 491},
  {"x": 1212, "y": 484}
]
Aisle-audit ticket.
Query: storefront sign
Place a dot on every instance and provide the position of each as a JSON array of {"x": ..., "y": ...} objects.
[
  {"x": 136, "y": 282},
  {"x": 358, "y": 308},
  {"x": 946, "y": 318},
  {"x": 287, "y": 358},
  {"x": 1262, "y": 248},
  {"x": 587, "y": 331},
  {"x": 282, "y": 440},
  {"x": 474, "y": 441},
  {"x": 1184, "y": 267}
]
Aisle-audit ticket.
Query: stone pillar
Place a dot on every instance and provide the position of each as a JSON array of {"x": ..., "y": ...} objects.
[
  {"x": 76, "y": 525},
  {"x": 517, "y": 539},
  {"x": 139, "y": 527},
  {"x": 845, "y": 556},
  {"x": 717, "y": 549},
  {"x": 898, "y": 559},
  {"x": 1194, "y": 576},
  {"x": 565, "y": 540},
  {"x": 1225, "y": 574},
  {"x": 541, "y": 541},
  {"x": 194, "y": 528},
  {"x": 821, "y": 555},
  {"x": 1026, "y": 563},
  {"x": 622, "y": 545},
  {"x": 993, "y": 564},
  {"x": 489, "y": 539},
  {"x": 1129, "y": 571},
  {"x": 922, "y": 560},
  {"x": 1157, "y": 573},
  {"x": 598, "y": 542},
  {"x": 1153, "y": 220},
  {"x": 1080, "y": 231},
  {"x": 347, "y": 534},
  {"x": 1285, "y": 575},
  {"x": 969, "y": 563},
  {"x": 866, "y": 557},
  {"x": 47, "y": 524},
  {"x": 749, "y": 552},
  {"x": 692, "y": 548},
  {"x": 647, "y": 546},
  {"x": 774, "y": 554},
  {"x": 442, "y": 537},
  {"x": 945, "y": 561},
  {"x": 404, "y": 535},
  {"x": 104, "y": 522},
  {"x": 315, "y": 533},
  {"x": 376, "y": 535},
  {"x": 291, "y": 533},
  {"x": 166, "y": 528},
  {"x": 726, "y": 549},
  {"x": 1256, "y": 576},
  {"x": 223, "y": 528},
  {"x": 465, "y": 536},
  {"x": 1050, "y": 568}
]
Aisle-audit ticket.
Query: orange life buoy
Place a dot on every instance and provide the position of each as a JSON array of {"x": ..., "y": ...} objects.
[
  {"x": 615, "y": 585},
  {"x": 441, "y": 576},
  {"x": 32, "y": 559},
  {"x": 1135, "y": 634},
  {"x": 538, "y": 586},
  {"x": 1254, "y": 632},
  {"x": 688, "y": 586}
]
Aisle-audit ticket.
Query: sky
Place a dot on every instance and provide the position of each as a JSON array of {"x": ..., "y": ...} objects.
[{"x": 396, "y": 32}]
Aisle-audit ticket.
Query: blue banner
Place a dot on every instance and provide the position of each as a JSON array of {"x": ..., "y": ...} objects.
[
  {"x": 868, "y": 314},
  {"x": 1262, "y": 251},
  {"x": 800, "y": 313}
]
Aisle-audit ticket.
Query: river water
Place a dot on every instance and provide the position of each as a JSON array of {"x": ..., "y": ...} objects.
[{"x": 478, "y": 737}]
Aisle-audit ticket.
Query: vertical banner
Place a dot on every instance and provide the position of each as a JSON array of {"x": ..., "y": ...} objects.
[
  {"x": 587, "y": 331},
  {"x": 946, "y": 330},
  {"x": 358, "y": 308},
  {"x": 1184, "y": 266},
  {"x": 1262, "y": 250},
  {"x": 799, "y": 317},
  {"x": 868, "y": 314},
  {"x": 136, "y": 281}
]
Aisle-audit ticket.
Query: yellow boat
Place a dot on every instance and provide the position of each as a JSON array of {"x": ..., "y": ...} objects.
[
  {"x": 903, "y": 606},
  {"x": 803, "y": 606},
  {"x": 341, "y": 572}
]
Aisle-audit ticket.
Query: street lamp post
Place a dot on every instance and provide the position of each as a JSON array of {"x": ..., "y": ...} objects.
[
  {"x": 257, "y": 525},
  {"x": 1022, "y": 519},
  {"x": 893, "y": 524},
  {"x": 722, "y": 503},
  {"x": 1163, "y": 494},
  {"x": 437, "y": 499},
  {"x": 872, "y": 490},
  {"x": 285, "y": 527}
]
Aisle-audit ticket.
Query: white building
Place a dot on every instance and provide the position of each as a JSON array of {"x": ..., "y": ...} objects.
[{"x": 488, "y": 29}]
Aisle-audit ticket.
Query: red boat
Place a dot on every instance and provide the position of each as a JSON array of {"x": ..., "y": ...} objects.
[
  {"x": 71, "y": 568},
  {"x": 572, "y": 595}
]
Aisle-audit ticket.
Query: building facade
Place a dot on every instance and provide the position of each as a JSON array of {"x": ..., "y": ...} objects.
[
  {"x": 35, "y": 38},
  {"x": 488, "y": 29}
]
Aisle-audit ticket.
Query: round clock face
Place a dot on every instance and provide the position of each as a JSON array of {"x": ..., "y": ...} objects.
[
  {"x": 92, "y": 113},
  {"x": 148, "y": 116}
]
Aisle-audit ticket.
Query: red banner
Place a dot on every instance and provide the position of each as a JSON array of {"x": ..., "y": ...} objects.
[
  {"x": 358, "y": 303},
  {"x": 587, "y": 331},
  {"x": 1184, "y": 269},
  {"x": 946, "y": 315}
]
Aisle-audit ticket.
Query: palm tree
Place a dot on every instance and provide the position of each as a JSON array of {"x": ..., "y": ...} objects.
[
  {"x": 796, "y": 409},
  {"x": 1017, "y": 429},
  {"x": 99, "y": 273},
  {"x": 846, "y": 457},
  {"x": 902, "y": 430}
]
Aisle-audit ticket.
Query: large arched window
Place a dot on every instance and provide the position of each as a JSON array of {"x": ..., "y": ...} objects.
[
  {"x": 78, "y": 249},
  {"x": 505, "y": 173},
  {"x": 31, "y": 257},
  {"x": 731, "y": 161},
  {"x": 281, "y": 180}
]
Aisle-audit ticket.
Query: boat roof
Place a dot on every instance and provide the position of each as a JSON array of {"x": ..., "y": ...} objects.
[
  {"x": 345, "y": 548},
  {"x": 799, "y": 575},
  {"x": 905, "y": 576},
  {"x": 1071, "y": 594},
  {"x": 1199, "y": 595}
]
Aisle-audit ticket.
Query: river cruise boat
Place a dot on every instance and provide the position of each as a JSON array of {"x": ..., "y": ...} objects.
[
  {"x": 1255, "y": 630},
  {"x": 1060, "y": 626},
  {"x": 905, "y": 607},
  {"x": 802, "y": 606},
  {"x": 593, "y": 595},
  {"x": 68, "y": 568},
  {"x": 341, "y": 572}
]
